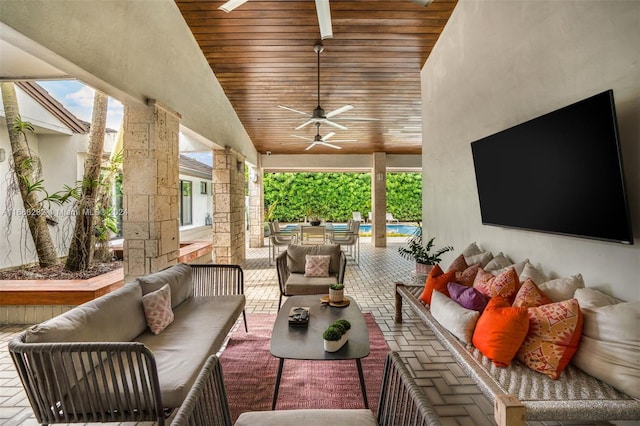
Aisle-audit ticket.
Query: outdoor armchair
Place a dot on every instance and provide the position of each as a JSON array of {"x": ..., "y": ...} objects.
[
  {"x": 390, "y": 218},
  {"x": 290, "y": 265},
  {"x": 401, "y": 403}
]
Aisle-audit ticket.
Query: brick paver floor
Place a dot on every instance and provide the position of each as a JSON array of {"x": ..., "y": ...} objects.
[{"x": 454, "y": 395}]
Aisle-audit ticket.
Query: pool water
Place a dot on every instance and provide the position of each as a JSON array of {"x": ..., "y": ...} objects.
[{"x": 365, "y": 229}]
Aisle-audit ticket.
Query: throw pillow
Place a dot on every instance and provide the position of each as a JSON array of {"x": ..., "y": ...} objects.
[
  {"x": 467, "y": 297},
  {"x": 553, "y": 337},
  {"x": 472, "y": 249},
  {"x": 610, "y": 340},
  {"x": 481, "y": 258},
  {"x": 506, "y": 284},
  {"x": 499, "y": 261},
  {"x": 316, "y": 265},
  {"x": 457, "y": 320},
  {"x": 458, "y": 264},
  {"x": 562, "y": 288},
  {"x": 533, "y": 273},
  {"x": 157, "y": 309},
  {"x": 467, "y": 276},
  {"x": 519, "y": 267},
  {"x": 436, "y": 280},
  {"x": 500, "y": 331},
  {"x": 530, "y": 296}
]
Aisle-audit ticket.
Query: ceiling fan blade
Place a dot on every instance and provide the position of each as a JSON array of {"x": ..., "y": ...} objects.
[
  {"x": 306, "y": 123},
  {"x": 302, "y": 137},
  {"x": 356, "y": 119},
  {"x": 311, "y": 146},
  {"x": 327, "y": 136},
  {"x": 336, "y": 125},
  {"x": 339, "y": 111},
  {"x": 232, "y": 4},
  {"x": 324, "y": 18},
  {"x": 294, "y": 110},
  {"x": 329, "y": 145}
]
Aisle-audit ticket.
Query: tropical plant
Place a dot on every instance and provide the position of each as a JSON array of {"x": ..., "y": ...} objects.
[
  {"x": 82, "y": 247},
  {"x": 415, "y": 250},
  {"x": 26, "y": 167}
]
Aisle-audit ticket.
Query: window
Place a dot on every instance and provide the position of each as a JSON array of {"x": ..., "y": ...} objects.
[
  {"x": 203, "y": 187},
  {"x": 186, "y": 217}
]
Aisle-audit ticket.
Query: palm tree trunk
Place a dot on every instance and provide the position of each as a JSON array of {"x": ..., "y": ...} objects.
[
  {"x": 83, "y": 241},
  {"x": 26, "y": 167}
]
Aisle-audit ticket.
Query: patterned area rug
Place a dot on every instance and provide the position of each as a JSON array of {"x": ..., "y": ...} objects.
[{"x": 250, "y": 373}]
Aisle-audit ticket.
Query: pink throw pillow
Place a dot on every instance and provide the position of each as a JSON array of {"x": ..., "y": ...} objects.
[{"x": 157, "y": 309}]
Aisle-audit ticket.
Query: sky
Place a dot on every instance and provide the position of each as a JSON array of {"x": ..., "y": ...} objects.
[{"x": 78, "y": 98}]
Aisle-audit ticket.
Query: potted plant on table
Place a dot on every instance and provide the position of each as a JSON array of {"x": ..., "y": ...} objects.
[
  {"x": 421, "y": 254},
  {"x": 336, "y": 293},
  {"x": 336, "y": 335}
]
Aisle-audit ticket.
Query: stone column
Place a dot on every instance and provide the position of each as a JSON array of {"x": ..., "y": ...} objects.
[
  {"x": 150, "y": 189},
  {"x": 379, "y": 200},
  {"x": 228, "y": 207},
  {"x": 256, "y": 207}
]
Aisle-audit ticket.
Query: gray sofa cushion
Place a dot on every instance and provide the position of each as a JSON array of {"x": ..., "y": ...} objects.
[
  {"x": 115, "y": 317},
  {"x": 298, "y": 284},
  {"x": 296, "y": 256},
  {"x": 177, "y": 276},
  {"x": 199, "y": 329},
  {"x": 308, "y": 417}
]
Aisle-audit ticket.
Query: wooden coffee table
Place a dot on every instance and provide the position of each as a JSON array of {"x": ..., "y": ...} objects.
[{"x": 306, "y": 343}]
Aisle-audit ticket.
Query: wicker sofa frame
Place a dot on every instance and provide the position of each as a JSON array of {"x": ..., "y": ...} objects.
[
  {"x": 401, "y": 400},
  {"x": 108, "y": 381},
  {"x": 518, "y": 393}
]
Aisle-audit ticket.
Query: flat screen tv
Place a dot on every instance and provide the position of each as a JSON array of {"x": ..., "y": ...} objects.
[{"x": 559, "y": 173}]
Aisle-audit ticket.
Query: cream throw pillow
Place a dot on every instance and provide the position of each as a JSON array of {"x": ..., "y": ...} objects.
[
  {"x": 562, "y": 288},
  {"x": 534, "y": 274},
  {"x": 610, "y": 341},
  {"x": 316, "y": 265},
  {"x": 457, "y": 320},
  {"x": 499, "y": 261},
  {"x": 481, "y": 258},
  {"x": 157, "y": 309}
]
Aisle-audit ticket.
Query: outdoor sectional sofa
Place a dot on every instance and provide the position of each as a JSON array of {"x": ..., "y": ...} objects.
[
  {"x": 100, "y": 362},
  {"x": 607, "y": 345}
]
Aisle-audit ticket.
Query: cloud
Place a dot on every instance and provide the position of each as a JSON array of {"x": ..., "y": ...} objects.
[{"x": 82, "y": 98}]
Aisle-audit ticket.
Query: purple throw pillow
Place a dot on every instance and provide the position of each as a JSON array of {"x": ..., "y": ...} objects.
[{"x": 467, "y": 297}]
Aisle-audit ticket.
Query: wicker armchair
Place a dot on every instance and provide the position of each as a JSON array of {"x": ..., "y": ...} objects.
[{"x": 401, "y": 402}]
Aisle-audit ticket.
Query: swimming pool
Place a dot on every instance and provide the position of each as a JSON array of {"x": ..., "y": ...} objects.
[{"x": 397, "y": 230}]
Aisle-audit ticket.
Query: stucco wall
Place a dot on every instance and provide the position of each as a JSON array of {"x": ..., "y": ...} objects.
[{"x": 499, "y": 63}]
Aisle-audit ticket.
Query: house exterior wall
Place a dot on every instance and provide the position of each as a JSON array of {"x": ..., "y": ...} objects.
[
  {"x": 500, "y": 63},
  {"x": 202, "y": 204}
]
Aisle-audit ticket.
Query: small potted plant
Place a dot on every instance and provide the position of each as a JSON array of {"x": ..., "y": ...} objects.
[
  {"x": 421, "y": 254},
  {"x": 335, "y": 336},
  {"x": 336, "y": 293}
]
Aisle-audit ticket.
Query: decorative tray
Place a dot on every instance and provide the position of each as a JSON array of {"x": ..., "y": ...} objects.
[
  {"x": 343, "y": 304},
  {"x": 299, "y": 316}
]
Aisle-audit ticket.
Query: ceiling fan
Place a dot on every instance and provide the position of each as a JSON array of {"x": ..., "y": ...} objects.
[
  {"x": 319, "y": 115},
  {"x": 322, "y": 9},
  {"x": 321, "y": 140}
]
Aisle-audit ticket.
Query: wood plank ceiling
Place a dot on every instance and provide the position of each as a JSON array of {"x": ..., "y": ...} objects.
[{"x": 263, "y": 56}]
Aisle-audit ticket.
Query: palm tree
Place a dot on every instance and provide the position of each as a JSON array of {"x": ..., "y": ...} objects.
[
  {"x": 26, "y": 165},
  {"x": 82, "y": 245}
]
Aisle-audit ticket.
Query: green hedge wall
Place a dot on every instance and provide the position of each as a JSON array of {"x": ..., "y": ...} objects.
[{"x": 335, "y": 196}]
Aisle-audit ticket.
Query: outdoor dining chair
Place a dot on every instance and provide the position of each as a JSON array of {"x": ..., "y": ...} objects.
[
  {"x": 277, "y": 239},
  {"x": 351, "y": 239}
]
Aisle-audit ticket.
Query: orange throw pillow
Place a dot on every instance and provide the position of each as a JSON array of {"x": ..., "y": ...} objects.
[
  {"x": 436, "y": 280},
  {"x": 530, "y": 296},
  {"x": 554, "y": 334},
  {"x": 500, "y": 331},
  {"x": 506, "y": 284}
]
